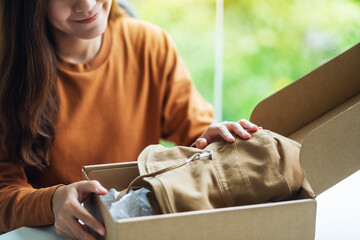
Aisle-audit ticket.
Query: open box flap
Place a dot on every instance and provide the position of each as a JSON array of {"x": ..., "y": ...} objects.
[
  {"x": 113, "y": 175},
  {"x": 331, "y": 152},
  {"x": 311, "y": 96}
]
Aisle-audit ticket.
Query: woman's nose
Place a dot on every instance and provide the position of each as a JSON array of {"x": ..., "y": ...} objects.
[{"x": 84, "y": 5}]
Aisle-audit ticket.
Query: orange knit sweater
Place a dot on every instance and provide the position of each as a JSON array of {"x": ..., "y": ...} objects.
[{"x": 134, "y": 92}]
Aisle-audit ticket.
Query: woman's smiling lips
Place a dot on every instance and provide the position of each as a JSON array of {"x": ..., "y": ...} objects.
[{"x": 89, "y": 20}]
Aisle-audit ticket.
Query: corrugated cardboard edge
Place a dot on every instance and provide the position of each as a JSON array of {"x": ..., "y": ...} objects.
[
  {"x": 282, "y": 220},
  {"x": 331, "y": 152}
]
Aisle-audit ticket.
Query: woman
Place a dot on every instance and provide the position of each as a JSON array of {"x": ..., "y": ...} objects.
[{"x": 81, "y": 83}]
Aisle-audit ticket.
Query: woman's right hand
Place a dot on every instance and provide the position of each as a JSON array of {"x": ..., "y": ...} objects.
[{"x": 66, "y": 205}]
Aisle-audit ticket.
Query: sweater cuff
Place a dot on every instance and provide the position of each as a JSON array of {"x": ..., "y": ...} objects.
[{"x": 46, "y": 200}]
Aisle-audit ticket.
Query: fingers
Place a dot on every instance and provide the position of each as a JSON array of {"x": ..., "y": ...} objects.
[
  {"x": 86, "y": 187},
  {"x": 83, "y": 189},
  {"x": 217, "y": 132},
  {"x": 75, "y": 211},
  {"x": 79, "y": 231},
  {"x": 74, "y": 230},
  {"x": 236, "y": 128},
  {"x": 226, "y": 131},
  {"x": 222, "y": 130},
  {"x": 248, "y": 125},
  {"x": 67, "y": 210},
  {"x": 201, "y": 143},
  {"x": 89, "y": 220}
]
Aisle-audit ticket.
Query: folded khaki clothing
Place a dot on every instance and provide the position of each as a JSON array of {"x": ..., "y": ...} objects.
[{"x": 263, "y": 168}]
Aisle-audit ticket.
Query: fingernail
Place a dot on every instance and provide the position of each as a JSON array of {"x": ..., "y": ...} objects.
[
  {"x": 102, "y": 189},
  {"x": 101, "y": 231},
  {"x": 230, "y": 137}
]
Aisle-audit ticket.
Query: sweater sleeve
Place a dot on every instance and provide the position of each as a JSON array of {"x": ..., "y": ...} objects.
[
  {"x": 21, "y": 204},
  {"x": 186, "y": 115}
]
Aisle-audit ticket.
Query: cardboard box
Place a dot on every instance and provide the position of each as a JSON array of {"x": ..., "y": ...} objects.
[{"x": 320, "y": 110}]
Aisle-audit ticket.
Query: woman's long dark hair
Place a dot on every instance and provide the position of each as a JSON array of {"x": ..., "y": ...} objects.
[
  {"x": 28, "y": 93},
  {"x": 28, "y": 90}
]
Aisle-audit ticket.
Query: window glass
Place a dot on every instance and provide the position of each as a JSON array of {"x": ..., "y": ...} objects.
[{"x": 267, "y": 43}]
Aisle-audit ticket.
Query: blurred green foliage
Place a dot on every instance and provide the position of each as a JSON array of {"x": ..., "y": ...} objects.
[{"x": 267, "y": 43}]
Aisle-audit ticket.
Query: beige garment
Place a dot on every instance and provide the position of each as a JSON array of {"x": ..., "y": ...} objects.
[{"x": 263, "y": 168}]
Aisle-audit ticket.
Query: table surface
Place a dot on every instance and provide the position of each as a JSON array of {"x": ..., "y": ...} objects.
[{"x": 337, "y": 217}]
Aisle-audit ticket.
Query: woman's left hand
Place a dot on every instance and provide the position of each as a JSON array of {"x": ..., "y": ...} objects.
[{"x": 226, "y": 131}]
